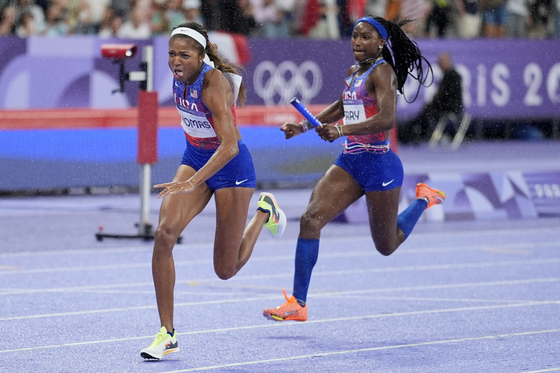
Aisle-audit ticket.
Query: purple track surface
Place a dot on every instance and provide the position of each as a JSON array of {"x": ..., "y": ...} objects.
[{"x": 455, "y": 297}]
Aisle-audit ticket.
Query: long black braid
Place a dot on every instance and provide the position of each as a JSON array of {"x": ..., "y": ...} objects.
[{"x": 404, "y": 56}]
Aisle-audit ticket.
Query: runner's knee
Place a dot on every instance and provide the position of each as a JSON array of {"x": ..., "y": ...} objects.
[
  {"x": 225, "y": 272},
  {"x": 165, "y": 239},
  {"x": 311, "y": 222}
]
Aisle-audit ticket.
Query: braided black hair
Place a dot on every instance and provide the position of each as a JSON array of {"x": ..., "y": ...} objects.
[
  {"x": 404, "y": 56},
  {"x": 224, "y": 66}
]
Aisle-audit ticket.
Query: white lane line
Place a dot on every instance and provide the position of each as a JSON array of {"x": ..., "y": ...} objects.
[
  {"x": 334, "y": 353},
  {"x": 501, "y": 250},
  {"x": 213, "y": 282},
  {"x": 430, "y": 299},
  {"x": 449, "y": 286},
  {"x": 209, "y": 302},
  {"x": 542, "y": 370},
  {"x": 261, "y": 259},
  {"x": 282, "y": 242},
  {"x": 287, "y": 325},
  {"x": 546, "y": 261},
  {"x": 135, "y": 308}
]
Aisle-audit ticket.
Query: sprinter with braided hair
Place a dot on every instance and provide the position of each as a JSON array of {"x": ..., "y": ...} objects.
[
  {"x": 215, "y": 163},
  {"x": 406, "y": 57},
  {"x": 385, "y": 58}
]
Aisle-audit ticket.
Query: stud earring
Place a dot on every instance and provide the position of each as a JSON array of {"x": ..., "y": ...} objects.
[{"x": 380, "y": 47}]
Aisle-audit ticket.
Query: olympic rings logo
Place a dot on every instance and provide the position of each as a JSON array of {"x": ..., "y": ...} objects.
[{"x": 285, "y": 81}]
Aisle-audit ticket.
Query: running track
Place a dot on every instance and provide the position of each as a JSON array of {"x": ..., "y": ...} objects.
[{"x": 456, "y": 297}]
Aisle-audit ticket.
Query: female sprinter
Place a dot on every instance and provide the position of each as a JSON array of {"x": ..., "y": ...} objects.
[
  {"x": 215, "y": 162},
  {"x": 367, "y": 165}
]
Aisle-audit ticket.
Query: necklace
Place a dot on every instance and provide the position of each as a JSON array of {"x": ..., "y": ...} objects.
[{"x": 369, "y": 61}]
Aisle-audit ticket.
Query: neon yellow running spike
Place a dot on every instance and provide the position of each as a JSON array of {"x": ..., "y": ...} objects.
[
  {"x": 276, "y": 223},
  {"x": 162, "y": 345}
]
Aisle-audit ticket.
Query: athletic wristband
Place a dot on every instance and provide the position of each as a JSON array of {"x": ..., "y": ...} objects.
[{"x": 306, "y": 125}]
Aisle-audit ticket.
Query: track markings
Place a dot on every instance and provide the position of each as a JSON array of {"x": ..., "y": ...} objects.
[{"x": 344, "y": 352}]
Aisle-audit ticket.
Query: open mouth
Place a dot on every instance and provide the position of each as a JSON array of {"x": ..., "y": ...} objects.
[{"x": 178, "y": 73}]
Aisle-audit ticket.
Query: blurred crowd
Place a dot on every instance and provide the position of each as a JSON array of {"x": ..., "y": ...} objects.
[{"x": 321, "y": 19}]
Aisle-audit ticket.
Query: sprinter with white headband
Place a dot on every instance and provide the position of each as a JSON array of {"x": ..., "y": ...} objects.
[{"x": 215, "y": 163}]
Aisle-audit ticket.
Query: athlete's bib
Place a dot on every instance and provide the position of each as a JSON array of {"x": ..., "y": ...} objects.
[
  {"x": 354, "y": 111},
  {"x": 195, "y": 123}
]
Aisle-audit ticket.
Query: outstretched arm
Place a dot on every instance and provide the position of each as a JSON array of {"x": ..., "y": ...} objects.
[{"x": 332, "y": 113}]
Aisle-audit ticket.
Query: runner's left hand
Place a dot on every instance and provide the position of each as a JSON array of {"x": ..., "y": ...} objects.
[{"x": 175, "y": 187}]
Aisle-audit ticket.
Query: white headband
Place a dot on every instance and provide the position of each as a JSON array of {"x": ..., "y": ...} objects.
[{"x": 192, "y": 33}]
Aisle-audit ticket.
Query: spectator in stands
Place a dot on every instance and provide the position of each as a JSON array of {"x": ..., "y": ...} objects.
[
  {"x": 35, "y": 10},
  {"x": 111, "y": 24},
  {"x": 448, "y": 99},
  {"x": 325, "y": 28},
  {"x": 137, "y": 26},
  {"x": 243, "y": 18},
  {"x": 377, "y": 8},
  {"x": 44, "y": 4},
  {"x": 158, "y": 21},
  {"x": 26, "y": 25},
  {"x": 494, "y": 18},
  {"x": 518, "y": 18},
  {"x": 213, "y": 13},
  {"x": 79, "y": 17},
  {"x": 438, "y": 18},
  {"x": 540, "y": 11},
  {"x": 228, "y": 15},
  {"x": 416, "y": 10},
  {"x": 394, "y": 10},
  {"x": 270, "y": 18},
  {"x": 174, "y": 14},
  {"x": 121, "y": 7},
  {"x": 191, "y": 9},
  {"x": 469, "y": 20},
  {"x": 55, "y": 21},
  {"x": 166, "y": 14},
  {"x": 8, "y": 20},
  {"x": 304, "y": 17},
  {"x": 97, "y": 10}
]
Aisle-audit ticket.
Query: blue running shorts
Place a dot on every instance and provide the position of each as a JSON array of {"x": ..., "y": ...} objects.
[
  {"x": 373, "y": 171},
  {"x": 239, "y": 172}
]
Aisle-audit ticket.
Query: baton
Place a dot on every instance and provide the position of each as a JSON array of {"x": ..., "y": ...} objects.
[{"x": 306, "y": 113}]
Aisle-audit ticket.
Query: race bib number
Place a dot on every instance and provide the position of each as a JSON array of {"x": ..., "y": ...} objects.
[
  {"x": 195, "y": 123},
  {"x": 354, "y": 111}
]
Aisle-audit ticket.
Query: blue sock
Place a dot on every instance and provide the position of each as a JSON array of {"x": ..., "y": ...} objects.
[
  {"x": 171, "y": 333},
  {"x": 409, "y": 217},
  {"x": 307, "y": 251}
]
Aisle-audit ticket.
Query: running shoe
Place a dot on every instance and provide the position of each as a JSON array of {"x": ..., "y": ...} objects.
[
  {"x": 434, "y": 196},
  {"x": 276, "y": 223},
  {"x": 291, "y": 310},
  {"x": 163, "y": 344}
]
